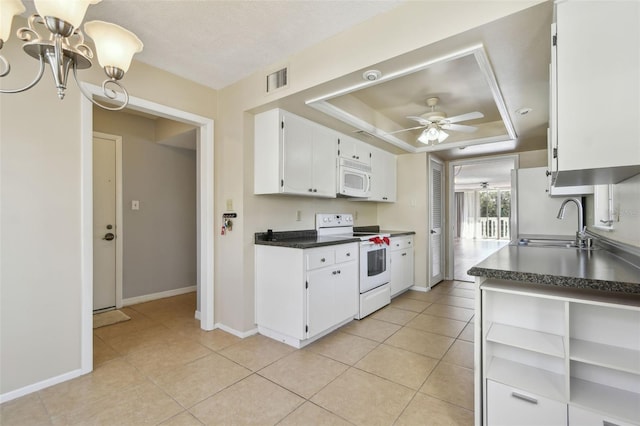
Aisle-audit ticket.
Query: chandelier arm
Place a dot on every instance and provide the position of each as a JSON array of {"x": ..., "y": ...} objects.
[
  {"x": 109, "y": 93},
  {"x": 5, "y": 67},
  {"x": 28, "y": 86}
]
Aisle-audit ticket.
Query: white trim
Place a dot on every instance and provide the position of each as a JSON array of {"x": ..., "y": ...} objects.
[
  {"x": 160, "y": 295},
  {"x": 119, "y": 228},
  {"x": 322, "y": 103},
  {"x": 417, "y": 288},
  {"x": 451, "y": 230},
  {"x": 240, "y": 334},
  {"x": 205, "y": 211},
  {"x": 5, "y": 397}
]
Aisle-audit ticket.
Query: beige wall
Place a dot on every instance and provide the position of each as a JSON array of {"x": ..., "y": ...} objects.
[
  {"x": 159, "y": 238},
  {"x": 40, "y": 225},
  {"x": 410, "y": 211}
]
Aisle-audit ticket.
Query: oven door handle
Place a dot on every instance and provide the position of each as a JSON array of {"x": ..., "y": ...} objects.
[{"x": 371, "y": 243}]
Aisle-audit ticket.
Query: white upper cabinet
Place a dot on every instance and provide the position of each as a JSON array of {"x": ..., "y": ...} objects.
[
  {"x": 354, "y": 149},
  {"x": 383, "y": 176},
  {"x": 293, "y": 155},
  {"x": 597, "y": 92}
]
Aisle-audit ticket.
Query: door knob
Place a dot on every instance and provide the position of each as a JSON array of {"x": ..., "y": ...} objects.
[
  {"x": 108, "y": 236},
  {"x": 432, "y": 231}
]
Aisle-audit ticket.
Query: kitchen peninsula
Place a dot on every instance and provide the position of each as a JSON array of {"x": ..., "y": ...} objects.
[{"x": 557, "y": 337}]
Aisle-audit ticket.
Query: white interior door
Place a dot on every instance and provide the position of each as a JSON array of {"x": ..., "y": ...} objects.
[
  {"x": 436, "y": 216},
  {"x": 104, "y": 223}
]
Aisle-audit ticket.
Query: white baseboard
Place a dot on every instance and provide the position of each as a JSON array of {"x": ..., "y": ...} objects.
[
  {"x": 197, "y": 315},
  {"x": 156, "y": 296},
  {"x": 240, "y": 334},
  {"x": 419, "y": 288},
  {"x": 39, "y": 385}
]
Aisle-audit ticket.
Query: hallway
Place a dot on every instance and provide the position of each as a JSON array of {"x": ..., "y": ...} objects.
[{"x": 468, "y": 252}]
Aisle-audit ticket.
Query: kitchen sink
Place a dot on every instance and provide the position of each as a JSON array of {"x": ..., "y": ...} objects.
[{"x": 549, "y": 242}]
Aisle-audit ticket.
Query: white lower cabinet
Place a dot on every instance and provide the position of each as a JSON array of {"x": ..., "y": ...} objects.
[
  {"x": 547, "y": 351},
  {"x": 581, "y": 417},
  {"x": 401, "y": 265},
  {"x": 509, "y": 406},
  {"x": 302, "y": 295}
]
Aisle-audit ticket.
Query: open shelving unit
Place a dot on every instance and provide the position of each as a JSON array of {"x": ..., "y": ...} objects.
[{"x": 569, "y": 347}]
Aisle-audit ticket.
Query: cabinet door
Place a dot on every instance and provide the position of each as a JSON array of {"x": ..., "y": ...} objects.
[
  {"x": 581, "y": 417},
  {"x": 510, "y": 406},
  {"x": 397, "y": 271},
  {"x": 320, "y": 300},
  {"x": 383, "y": 176},
  {"x": 354, "y": 149},
  {"x": 323, "y": 162},
  {"x": 346, "y": 293},
  {"x": 297, "y": 151},
  {"x": 598, "y": 63}
]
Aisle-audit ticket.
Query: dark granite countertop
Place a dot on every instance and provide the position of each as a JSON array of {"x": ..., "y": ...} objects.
[
  {"x": 309, "y": 238},
  {"x": 563, "y": 267},
  {"x": 376, "y": 228},
  {"x": 300, "y": 239}
]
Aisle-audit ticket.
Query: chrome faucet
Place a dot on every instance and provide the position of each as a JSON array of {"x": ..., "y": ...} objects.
[{"x": 581, "y": 233}]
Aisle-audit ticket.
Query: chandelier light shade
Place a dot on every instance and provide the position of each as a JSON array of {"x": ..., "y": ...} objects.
[
  {"x": 8, "y": 9},
  {"x": 71, "y": 12},
  {"x": 64, "y": 49},
  {"x": 115, "y": 46}
]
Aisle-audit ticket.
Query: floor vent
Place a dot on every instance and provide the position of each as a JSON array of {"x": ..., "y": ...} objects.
[{"x": 276, "y": 80}]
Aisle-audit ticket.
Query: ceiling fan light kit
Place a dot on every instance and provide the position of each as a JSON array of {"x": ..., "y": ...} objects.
[
  {"x": 64, "y": 49},
  {"x": 434, "y": 122}
]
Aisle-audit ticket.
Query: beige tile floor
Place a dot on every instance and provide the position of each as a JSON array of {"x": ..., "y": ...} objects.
[{"x": 410, "y": 363}]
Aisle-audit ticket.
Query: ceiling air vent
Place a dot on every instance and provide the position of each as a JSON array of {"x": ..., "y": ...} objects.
[{"x": 277, "y": 80}]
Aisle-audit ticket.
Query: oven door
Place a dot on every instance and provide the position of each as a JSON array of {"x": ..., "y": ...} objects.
[{"x": 374, "y": 266}]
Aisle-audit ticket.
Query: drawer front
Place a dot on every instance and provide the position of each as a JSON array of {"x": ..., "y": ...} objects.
[
  {"x": 320, "y": 258},
  {"x": 581, "y": 417},
  {"x": 510, "y": 406},
  {"x": 401, "y": 243},
  {"x": 346, "y": 253}
]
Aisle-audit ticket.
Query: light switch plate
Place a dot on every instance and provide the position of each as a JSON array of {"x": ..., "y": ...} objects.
[{"x": 135, "y": 205}]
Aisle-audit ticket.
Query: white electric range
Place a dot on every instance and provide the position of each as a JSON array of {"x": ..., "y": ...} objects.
[{"x": 375, "y": 291}]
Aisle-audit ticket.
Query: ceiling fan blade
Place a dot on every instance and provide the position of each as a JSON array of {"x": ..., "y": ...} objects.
[
  {"x": 464, "y": 117},
  {"x": 459, "y": 128},
  {"x": 420, "y": 120},
  {"x": 405, "y": 130}
]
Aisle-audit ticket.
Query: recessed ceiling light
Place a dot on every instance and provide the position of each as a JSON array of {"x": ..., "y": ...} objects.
[
  {"x": 523, "y": 111},
  {"x": 371, "y": 75}
]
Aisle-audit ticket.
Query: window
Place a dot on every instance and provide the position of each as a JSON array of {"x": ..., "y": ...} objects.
[{"x": 603, "y": 216}]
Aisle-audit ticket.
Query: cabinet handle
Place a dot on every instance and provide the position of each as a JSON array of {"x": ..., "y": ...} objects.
[
  {"x": 606, "y": 423},
  {"x": 404, "y": 254},
  {"x": 323, "y": 260},
  {"x": 310, "y": 190},
  {"x": 334, "y": 272},
  {"x": 348, "y": 254},
  {"x": 338, "y": 271},
  {"x": 524, "y": 397}
]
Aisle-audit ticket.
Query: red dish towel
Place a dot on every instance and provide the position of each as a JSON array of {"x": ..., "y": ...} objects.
[{"x": 378, "y": 240}]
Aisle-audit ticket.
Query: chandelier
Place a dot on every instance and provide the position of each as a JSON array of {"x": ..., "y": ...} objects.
[{"x": 64, "y": 48}]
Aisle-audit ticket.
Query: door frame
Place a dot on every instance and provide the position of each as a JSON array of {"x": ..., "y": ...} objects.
[
  {"x": 118, "y": 228},
  {"x": 204, "y": 211},
  {"x": 451, "y": 229},
  {"x": 431, "y": 158}
]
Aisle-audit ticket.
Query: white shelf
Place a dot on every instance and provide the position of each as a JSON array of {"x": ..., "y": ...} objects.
[
  {"x": 535, "y": 380},
  {"x": 614, "y": 357},
  {"x": 523, "y": 338},
  {"x": 606, "y": 399}
]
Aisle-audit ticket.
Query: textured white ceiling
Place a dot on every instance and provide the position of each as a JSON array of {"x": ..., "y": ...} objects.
[{"x": 217, "y": 43}]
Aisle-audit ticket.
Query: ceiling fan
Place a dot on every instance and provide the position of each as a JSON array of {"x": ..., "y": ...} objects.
[{"x": 435, "y": 122}]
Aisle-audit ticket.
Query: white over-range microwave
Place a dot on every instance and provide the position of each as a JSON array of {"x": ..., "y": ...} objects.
[{"x": 354, "y": 178}]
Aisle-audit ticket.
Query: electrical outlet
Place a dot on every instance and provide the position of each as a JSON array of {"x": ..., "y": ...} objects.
[
  {"x": 298, "y": 215},
  {"x": 229, "y": 204},
  {"x": 135, "y": 205}
]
